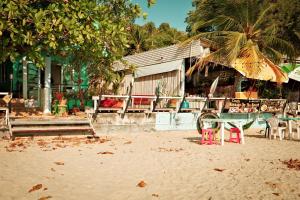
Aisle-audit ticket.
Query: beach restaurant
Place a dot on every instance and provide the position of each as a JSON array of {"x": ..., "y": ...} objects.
[{"x": 160, "y": 88}]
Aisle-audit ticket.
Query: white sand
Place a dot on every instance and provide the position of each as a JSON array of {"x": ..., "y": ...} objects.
[{"x": 171, "y": 165}]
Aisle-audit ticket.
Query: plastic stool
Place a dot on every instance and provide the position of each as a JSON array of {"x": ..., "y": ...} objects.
[
  {"x": 207, "y": 136},
  {"x": 236, "y": 139},
  {"x": 216, "y": 136}
]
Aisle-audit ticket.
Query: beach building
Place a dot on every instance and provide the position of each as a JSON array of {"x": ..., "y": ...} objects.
[{"x": 37, "y": 86}]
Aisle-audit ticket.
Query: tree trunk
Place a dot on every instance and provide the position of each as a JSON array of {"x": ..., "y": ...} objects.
[{"x": 238, "y": 82}]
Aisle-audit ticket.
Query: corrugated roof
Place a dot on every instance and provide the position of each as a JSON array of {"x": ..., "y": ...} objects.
[{"x": 166, "y": 54}]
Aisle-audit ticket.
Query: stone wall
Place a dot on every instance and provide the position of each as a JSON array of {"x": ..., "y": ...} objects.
[{"x": 132, "y": 122}]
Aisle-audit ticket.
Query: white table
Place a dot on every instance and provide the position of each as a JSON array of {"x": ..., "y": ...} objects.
[{"x": 238, "y": 123}]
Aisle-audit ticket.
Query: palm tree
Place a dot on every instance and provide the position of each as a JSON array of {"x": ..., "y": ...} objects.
[
  {"x": 138, "y": 39},
  {"x": 245, "y": 39}
]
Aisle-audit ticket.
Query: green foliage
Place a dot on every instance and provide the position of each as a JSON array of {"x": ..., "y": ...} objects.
[
  {"x": 30, "y": 27},
  {"x": 147, "y": 37},
  {"x": 283, "y": 15}
]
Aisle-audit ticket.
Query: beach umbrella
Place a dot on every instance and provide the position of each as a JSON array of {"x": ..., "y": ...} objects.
[
  {"x": 292, "y": 70},
  {"x": 213, "y": 87},
  {"x": 263, "y": 69}
]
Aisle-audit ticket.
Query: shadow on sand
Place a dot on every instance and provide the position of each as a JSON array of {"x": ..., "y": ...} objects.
[{"x": 195, "y": 140}]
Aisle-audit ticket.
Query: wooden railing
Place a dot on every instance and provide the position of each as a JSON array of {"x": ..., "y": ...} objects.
[{"x": 196, "y": 104}]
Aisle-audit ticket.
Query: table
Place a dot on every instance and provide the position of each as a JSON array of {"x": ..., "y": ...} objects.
[
  {"x": 289, "y": 120},
  {"x": 236, "y": 122}
]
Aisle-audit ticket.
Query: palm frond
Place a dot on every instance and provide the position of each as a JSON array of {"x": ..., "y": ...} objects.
[
  {"x": 262, "y": 17},
  {"x": 275, "y": 55},
  {"x": 297, "y": 34},
  {"x": 281, "y": 45},
  {"x": 222, "y": 20},
  {"x": 235, "y": 41},
  {"x": 214, "y": 57}
]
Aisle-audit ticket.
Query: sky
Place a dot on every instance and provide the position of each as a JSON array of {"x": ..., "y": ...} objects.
[{"x": 173, "y": 12}]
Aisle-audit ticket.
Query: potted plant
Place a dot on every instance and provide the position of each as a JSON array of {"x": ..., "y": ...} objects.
[{"x": 59, "y": 104}]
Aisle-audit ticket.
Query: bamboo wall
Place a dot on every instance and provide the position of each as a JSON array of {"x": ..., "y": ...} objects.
[{"x": 169, "y": 81}]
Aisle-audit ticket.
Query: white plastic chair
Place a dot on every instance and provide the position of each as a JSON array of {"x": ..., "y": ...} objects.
[
  {"x": 275, "y": 129},
  {"x": 296, "y": 125}
]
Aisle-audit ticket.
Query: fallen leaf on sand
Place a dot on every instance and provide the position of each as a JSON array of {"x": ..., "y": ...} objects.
[
  {"x": 275, "y": 193},
  {"x": 129, "y": 142},
  {"x": 36, "y": 187},
  {"x": 105, "y": 152},
  {"x": 59, "y": 163},
  {"x": 141, "y": 184},
  {"x": 52, "y": 169},
  {"x": 272, "y": 185},
  {"x": 155, "y": 195},
  {"x": 219, "y": 170},
  {"x": 292, "y": 164},
  {"x": 45, "y": 198}
]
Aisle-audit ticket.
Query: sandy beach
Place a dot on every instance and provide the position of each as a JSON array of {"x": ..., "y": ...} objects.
[{"x": 168, "y": 165}]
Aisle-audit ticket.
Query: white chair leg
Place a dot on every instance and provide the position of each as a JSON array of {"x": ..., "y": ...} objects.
[
  {"x": 271, "y": 133},
  {"x": 279, "y": 134}
]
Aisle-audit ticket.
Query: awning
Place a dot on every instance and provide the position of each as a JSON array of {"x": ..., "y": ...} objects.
[
  {"x": 292, "y": 70},
  {"x": 158, "y": 68},
  {"x": 265, "y": 70},
  {"x": 295, "y": 74}
]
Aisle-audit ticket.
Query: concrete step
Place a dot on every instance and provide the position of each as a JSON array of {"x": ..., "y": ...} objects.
[
  {"x": 47, "y": 126},
  {"x": 49, "y": 129},
  {"x": 48, "y": 122}
]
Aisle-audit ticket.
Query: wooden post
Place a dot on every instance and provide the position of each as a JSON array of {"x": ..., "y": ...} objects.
[
  {"x": 39, "y": 87},
  {"x": 182, "y": 92},
  {"x": 95, "y": 99},
  {"x": 47, "y": 90},
  {"x": 25, "y": 78}
]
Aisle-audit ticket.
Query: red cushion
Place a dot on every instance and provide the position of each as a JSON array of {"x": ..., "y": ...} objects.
[
  {"x": 107, "y": 103},
  {"x": 142, "y": 101}
]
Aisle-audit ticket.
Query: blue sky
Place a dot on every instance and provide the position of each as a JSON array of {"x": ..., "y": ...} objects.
[{"x": 173, "y": 12}]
